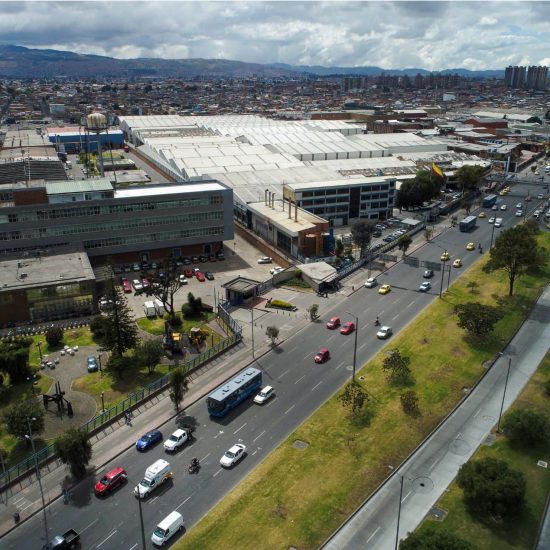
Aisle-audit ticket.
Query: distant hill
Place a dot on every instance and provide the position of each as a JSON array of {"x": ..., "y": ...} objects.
[{"x": 21, "y": 62}]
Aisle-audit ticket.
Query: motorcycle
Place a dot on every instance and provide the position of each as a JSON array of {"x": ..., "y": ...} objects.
[
  {"x": 377, "y": 323},
  {"x": 194, "y": 467}
]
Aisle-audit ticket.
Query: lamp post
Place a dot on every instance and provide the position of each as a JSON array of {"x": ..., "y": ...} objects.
[
  {"x": 252, "y": 324},
  {"x": 399, "y": 509},
  {"x": 504, "y": 392},
  {"x": 99, "y": 361},
  {"x": 102, "y": 395},
  {"x": 39, "y": 344},
  {"x": 492, "y": 235},
  {"x": 38, "y": 475},
  {"x": 442, "y": 272},
  {"x": 354, "y": 344}
]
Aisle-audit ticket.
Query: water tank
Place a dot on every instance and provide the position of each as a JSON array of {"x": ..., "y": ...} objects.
[{"x": 96, "y": 121}]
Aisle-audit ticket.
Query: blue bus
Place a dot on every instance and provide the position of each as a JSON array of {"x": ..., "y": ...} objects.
[
  {"x": 467, "y": 223},
  {"x": 231, "y": 393},
  {"x": 489, "y": 201}
]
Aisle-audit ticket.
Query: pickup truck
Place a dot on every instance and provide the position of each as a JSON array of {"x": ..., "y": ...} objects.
[{"x": 67, "y": 541}]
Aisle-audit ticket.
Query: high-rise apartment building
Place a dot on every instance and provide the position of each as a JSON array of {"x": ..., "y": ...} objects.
[{"x": 532, "y": 78}]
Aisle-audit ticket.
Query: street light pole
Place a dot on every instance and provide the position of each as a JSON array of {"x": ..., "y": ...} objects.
[
  {"x": 504, "y": 393},
  {"x": 102, "y": 403},
  {"x": 354, "y": 344},
  {"x": 492, "y": 235},
  {"x": 442, "y": 275},
  {"x": 143, "y": 542},
  {"x": 39, "y": 344},
  {"x": 38, "y": 477},
  {"x": 252, "y": 323},
  {"x": 99, "y": 360},
  {"x": 399, "y": 509}
]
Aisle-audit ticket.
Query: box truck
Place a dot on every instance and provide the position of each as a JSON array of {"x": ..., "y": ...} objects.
[{"x": 155, "y": 475}]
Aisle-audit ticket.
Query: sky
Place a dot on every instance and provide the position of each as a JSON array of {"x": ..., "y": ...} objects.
[{"x": 392, "y": 35}]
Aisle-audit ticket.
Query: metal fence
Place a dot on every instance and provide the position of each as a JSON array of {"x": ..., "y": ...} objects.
[{"x": 128, "y": 403}]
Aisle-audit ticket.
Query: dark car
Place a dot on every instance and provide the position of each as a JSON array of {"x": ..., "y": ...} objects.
[
  {"x": 195, "y": 259},
  {"x": 209, "y": 275},
  {"x": 110, "y": 481},
  {"x": 187, "y": 261},
  {"x": 211, "y": 258},
  {"x": 220, "y": 255},
  {"x": 148, "y": 440},
  {"x": 428, "y": 274},
  {"x": 92, "y": 363},
  {"x": 204, "y": 259},
  {"x": 188, "y": 273}
]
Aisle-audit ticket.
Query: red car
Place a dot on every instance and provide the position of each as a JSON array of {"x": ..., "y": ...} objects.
[
  {"x": 126, "y": 286},
  {"x": 145, "y": 282},
  {"x": 188, "y": 272},
  {"x": 200, "y": 276},
  {"x": 111, "y": 480},
  {"x": 348, "y": 328},
  {"x": 333, "y": 323},
  {"x": 322, "y": 356}
]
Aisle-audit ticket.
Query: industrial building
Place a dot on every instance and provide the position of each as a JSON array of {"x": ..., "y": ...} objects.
[{"x": 75, "y": 139}]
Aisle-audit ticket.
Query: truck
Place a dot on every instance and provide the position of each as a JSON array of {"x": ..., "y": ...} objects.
[
  {"x": 155, "y": 476},
  {"x": 149, "y": 309},
  {"x": 67, "y": 541}
]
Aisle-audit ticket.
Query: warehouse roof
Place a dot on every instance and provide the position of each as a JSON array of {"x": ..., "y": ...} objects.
[{"x": 78, "y": 186}]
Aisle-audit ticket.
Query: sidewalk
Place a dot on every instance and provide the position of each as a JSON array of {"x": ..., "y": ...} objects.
[{"x": 24, "y": 497}]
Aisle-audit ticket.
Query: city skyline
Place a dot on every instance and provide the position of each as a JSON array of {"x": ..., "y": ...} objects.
[{"x": 392, "y": 35}]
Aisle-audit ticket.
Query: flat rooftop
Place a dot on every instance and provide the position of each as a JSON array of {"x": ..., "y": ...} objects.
[
  {"x": 44, "y": 270},
  {"x": 344, "y": 182},
  {"x": 173, "y": 189}
]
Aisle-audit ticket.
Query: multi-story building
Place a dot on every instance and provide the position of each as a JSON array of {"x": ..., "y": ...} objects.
[
  {"x": 117, "y": 225},
  {"x": 533, "y": 77}
]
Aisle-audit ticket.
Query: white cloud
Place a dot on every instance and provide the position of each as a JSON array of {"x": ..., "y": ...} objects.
[{"x": 429, "y": 35}]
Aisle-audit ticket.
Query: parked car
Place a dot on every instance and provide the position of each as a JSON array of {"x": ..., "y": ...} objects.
[
  {"x": 265, "y": 394},
  {"x": 470, "y": 246},
  {"x": 457, "y": 263},
  {"x": 183, "y": 280},
  {"x": 200, "y": 276},
  {"x": 384, "y": 332},
  {"x": 136, "y": 283},
  {"x": 145, "y": 282},
  {"x": 220, "y": 255},
  {"x": 188, "y": 273},
  {"x": 275, "y": 270},
  {"x": 482, "y": 215},
  {"x": 322, "y": 356},
  {"x": 204, "y": 259},
  {"x": 371, "y": 282},
  {"x": 135, "y": 267},
  {"x": 92, "y": 363},
  {"x": 233, "y": 455},
  {"x": 148, "y": 440},
  {"x": 209, "y": 275},
  {"x": 126, "y": 286},
  {"x": 503, "y": 207},
  {"x": 265, "y": 260},
  {"x": 333, "y": 322},
  {"x": 110, "y": 481},
  {"x": 187, "y": 261}
]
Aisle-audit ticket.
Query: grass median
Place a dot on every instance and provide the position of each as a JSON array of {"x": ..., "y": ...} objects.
[
  {"x": 297, "y": 497},
  {"x": 520, "y": 533}
]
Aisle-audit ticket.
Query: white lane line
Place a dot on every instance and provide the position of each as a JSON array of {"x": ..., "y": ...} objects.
[
  {"x": 376, "y": 531},
  {"x": 254, "y": 452},
  {"x": 180, "y": 505},
  {"x": 105, "y": 540},
  {"x": 330, "y": 338},
  {"x": 395, "y": 317},
  {"x": 307, "y": 356},
  {"x": 410, "y": 304},
  {"x": 281, "y": 375},
  {"x": 288, "y": 410},
  {"x": 434, "y": 464},
  {"x": 28, "y": 506},
  {"x": 362, "y": 346},
  {"x": 405, "y": 497},
  {"x": 205, "y": 457},
  {"x": 477, "y": 412},
  {"x": 340, "y": 365},
  {"x": 258, "y": 437},
  {"x": 135, "y": 546},
  {"x": 239, "y": 429},
  {"x": 317, "y": 385},
  {"x": 218, "y": 472},
  {"x": 301, "y": 378},
  {"x": 152, "y": 500}
]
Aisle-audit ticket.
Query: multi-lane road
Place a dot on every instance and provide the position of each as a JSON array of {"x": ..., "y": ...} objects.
[{"x": 301, "y": 386}]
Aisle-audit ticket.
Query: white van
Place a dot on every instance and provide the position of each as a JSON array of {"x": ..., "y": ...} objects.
[
  {"x": 149, "y": 309},
  {"x": 155, "y": 475},
  {"x": 159, "y": 306},
  {"x": 165, "y": 530}
]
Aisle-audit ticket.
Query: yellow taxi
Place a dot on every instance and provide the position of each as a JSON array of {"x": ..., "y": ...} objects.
[
  {"x": 445, "y": 256},
  {"x": 457, "y": 263},
  {"x": 482, "y": 215},
  {"x": 384, "y": 289},
  {"x": 470, "y": 246}
]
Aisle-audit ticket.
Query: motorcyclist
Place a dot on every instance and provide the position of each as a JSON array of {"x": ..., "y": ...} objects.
[
  {"x": 377, "y": 321},
  {"x": 195, "y": 462}
]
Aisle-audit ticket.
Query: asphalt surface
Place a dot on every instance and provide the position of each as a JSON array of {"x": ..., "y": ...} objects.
[{"x": 301, "y": 387}]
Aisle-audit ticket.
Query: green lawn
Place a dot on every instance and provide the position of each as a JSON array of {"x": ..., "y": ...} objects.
[
  {"x": 298, "y": 497},
  {"x": 520, "y": 533},
  {"x": 72, "y": 337},
  {"x": 155, "y": 325}
]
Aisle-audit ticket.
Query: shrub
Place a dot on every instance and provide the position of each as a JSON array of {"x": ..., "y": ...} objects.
[
  {"x": 175, "y": 321},
  {"x": 525, "y": 427},
  {"x": 54, "y": 336}
]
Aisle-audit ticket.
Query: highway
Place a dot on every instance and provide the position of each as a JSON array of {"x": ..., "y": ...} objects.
[{"x": 301, "y": 387}]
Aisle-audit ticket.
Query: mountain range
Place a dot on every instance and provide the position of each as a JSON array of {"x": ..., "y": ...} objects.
[{"x": 21, "y": 62}]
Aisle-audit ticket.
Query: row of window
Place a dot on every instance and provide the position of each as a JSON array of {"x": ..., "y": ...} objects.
[
  {"x": 115, "y": 225},
  {"x": 345, "y": 190},
  {"x": 152, "y": 237},
  {"x": 82, "y": 211}
]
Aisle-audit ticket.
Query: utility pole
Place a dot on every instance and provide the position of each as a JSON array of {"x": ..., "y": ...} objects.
[
  {"x": 38, "y": 478},
  {"x": 252, "y": 324},
  {"x": 354, "y": 345},
  {"x": 504, "y": 393}
]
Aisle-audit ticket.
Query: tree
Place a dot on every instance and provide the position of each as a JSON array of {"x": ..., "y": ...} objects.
[
  {"x": 468, "y": 177},
  {"x": 272, "y": 332},
  {"x": 149, "y": 353},
  {"x": 54, "y": 336},
  {"x": 467, "y": 205},
  {"x": 17, "y": 417},
  {"x": 99, "y": 326},
  {"x": 14, "y": 359},
  {"x": 353, "y": 397},
  {"x": 525, "y": 427},
  {"x": 119, "y": 365},
  {"x": 422, "y": 188},
  {"x": 121, "y": 334},
  {"x": 429, "y": 539},
  {"x": 472, "y": 285},
  {"x": 178, "y": 386},
  {"x": 491, "y": 487},
  {"x": 163, "y": 285},
  {"x": 74, "y": 448},
  {"x": 313, "y": 311},
  {"x": 478, "y": 319},
  {"x": 517, "y": 252},
  {"x": 361, "y": 233},
  {"x": 409, "y": 403},
  {"x": 404, "y": 242},
  {"x": 397, "y": 368}
]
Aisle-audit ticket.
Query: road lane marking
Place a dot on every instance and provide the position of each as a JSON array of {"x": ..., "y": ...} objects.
[
  {"x": 340, "y": 365},
  {"x": 307, "y": 356},
  {"x": 239, "y": 429},
  {"x": 330, "y": 338},
  {"x": 28, "y": 506},
  {"x": 281, "y": 375},
  {"x": 205, "y": 457},
  {"x": 317, "y": 385},
  {"x": 180, "y": 505},
  {"x": 435, "y": 462},
  {"x": 405, "y": 497},
  {"x": 288, "y": 410},
  {"x": 376, "y": 531},
  {"x": 291, "y": 349},
  {"x": 301, "y": 378},
  {"x": 395, "y": 317},
  {"x": 152, "y": 500},
  {"x": 219, "y": 471},
  {"x": 135, "y": 546},
  {"x": 362, "y": 346},
  {"x": 410, "y": 304},
  {"x": 254, "y": 452},
  {"x": 477, "y": 412},
  {"x": 105, "y": 540},
  {"x": 258, "y": 437}
]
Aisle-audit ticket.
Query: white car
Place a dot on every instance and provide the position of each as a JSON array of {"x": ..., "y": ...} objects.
[
  {"x": 275, "y": 270},
  {"x": 519, "y": 213},
  {"x": 491, "y": 220},
  {"x": 519, "y": 206},
  {"x": 371, "y": 282},
  {"x": 183, "y": 280},
  {"x": 540, "y": 196},
  {"x": 137, "y": 284},
  {"x": 384, "y": 332},
  {"x": 494, "y": 207},
  {"x": 264, "y": 395},
  {"x": 498, "y": 222},
  {"x": 233, "y": 455},
  {"x": 176, "y": 440},
  {"x": 503, "y": 207},
  {"x": 425, "y": 286},
  {"x": 265, "y": 260}
]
